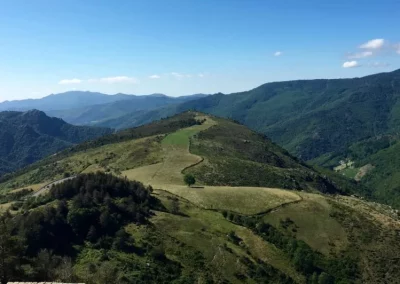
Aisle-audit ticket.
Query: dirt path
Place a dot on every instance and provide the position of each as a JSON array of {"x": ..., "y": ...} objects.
[
  {"x": 167, "y": 175},
  {"x": 48, "y": 186}
]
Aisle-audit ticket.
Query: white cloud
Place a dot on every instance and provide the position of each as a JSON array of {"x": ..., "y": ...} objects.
[
  {"x": 155, "y": 76},
  {"x": 350, "y": 64},
  {"x": 201, "y": 75},
  {"x": 70, "y": 81},
  {"x": 373, "y": 44},
  {"x": 278, "y": 53},
  {"x": 360, "y": 55}
]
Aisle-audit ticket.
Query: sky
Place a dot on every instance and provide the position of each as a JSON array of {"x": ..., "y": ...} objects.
[{"x": 183, "y": 47}]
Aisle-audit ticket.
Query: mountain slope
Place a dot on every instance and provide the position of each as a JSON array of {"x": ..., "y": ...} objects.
[
  {"x": 223, "y": 230},
  {"x": 310, "y": 118},
  {"x": 314, "y": 117},
  {"x": 29, "y": 136}
]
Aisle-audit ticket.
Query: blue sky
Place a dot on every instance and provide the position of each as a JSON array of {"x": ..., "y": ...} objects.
[{"x": 181, "y": 47}]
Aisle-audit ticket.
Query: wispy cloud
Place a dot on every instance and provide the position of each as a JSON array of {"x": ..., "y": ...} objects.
[
  {"x": 180, "y": 75},
  {"x": 373, "y": 44},
  {"x": 397, "y": 48},
  {"x": 350, "y": 64},
  {"x": 70, "y": 81},
  {"x": 278, "y": 53},
  {"x": 114, "y": 80},
  {"x": 155, "y": 76},
  {"x": 119, "y": 79},
  {"x": 378, "y": 64},
  {"x": 359, "y": 55},
  {"x": 201, "y": 75}
]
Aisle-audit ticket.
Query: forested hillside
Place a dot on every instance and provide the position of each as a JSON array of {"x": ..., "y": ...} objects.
[
  {"x": 314, "y": 117},
  {"x": 26, "y": 137}
]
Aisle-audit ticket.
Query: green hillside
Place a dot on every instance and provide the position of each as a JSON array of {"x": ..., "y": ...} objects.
[
  {"x": 129, "y": 218},
  {"x": 314, "y": 117},
  {"x": 26, "y": 137}
]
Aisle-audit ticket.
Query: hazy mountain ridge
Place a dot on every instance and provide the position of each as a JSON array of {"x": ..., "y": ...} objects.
[
  {"x": 62, "y": 101},
  {"x": 96, "y": 114},
  {"x": 87, "y": 108}
]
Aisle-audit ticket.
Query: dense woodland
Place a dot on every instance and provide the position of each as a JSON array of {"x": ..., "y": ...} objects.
[{"x": 41, "y": 242}]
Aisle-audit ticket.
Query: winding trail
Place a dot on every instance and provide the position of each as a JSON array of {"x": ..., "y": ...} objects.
[
  {"x": 168, "y": 176},
  {"x": 49, "y": 185}
]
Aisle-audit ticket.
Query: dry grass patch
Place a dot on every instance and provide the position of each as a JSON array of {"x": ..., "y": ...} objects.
[
  {"x": 376, "y": 212},
  {"x": 243, "y": 200},
  {"x": 175, "y": 158},
  {"x": 34, "y": 187},
  {"x": 4, "y": 207}
]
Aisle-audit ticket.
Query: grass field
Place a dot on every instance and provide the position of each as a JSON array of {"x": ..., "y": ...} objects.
[
  {"x": 34, "y": 187},
  {"x": 168, "y": 176},
  {"x": 350, "y": 172},
  {"x": 312, "y": 223},
  {"x": 243, "y": 200},
  {"x": 175, "y": 157}
]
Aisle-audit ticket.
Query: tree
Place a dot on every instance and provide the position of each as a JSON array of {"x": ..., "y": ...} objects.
[
  {"x": 10, "y": 250},
  {"x": 324, "y": 278},
  {"x": 65, "y": 271},
  {"x": 189, "y": 180},
  {"x": 122, "y": 240},
  {"x": 45, "y": 265},
  {"x": 92, "y": 234}
]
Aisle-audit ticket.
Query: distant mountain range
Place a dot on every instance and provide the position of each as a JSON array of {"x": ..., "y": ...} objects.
[
  {"x": 86, "y": 108},
  {"x": 62, "y": 101},
  {"x": 26, "y": 137}
]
